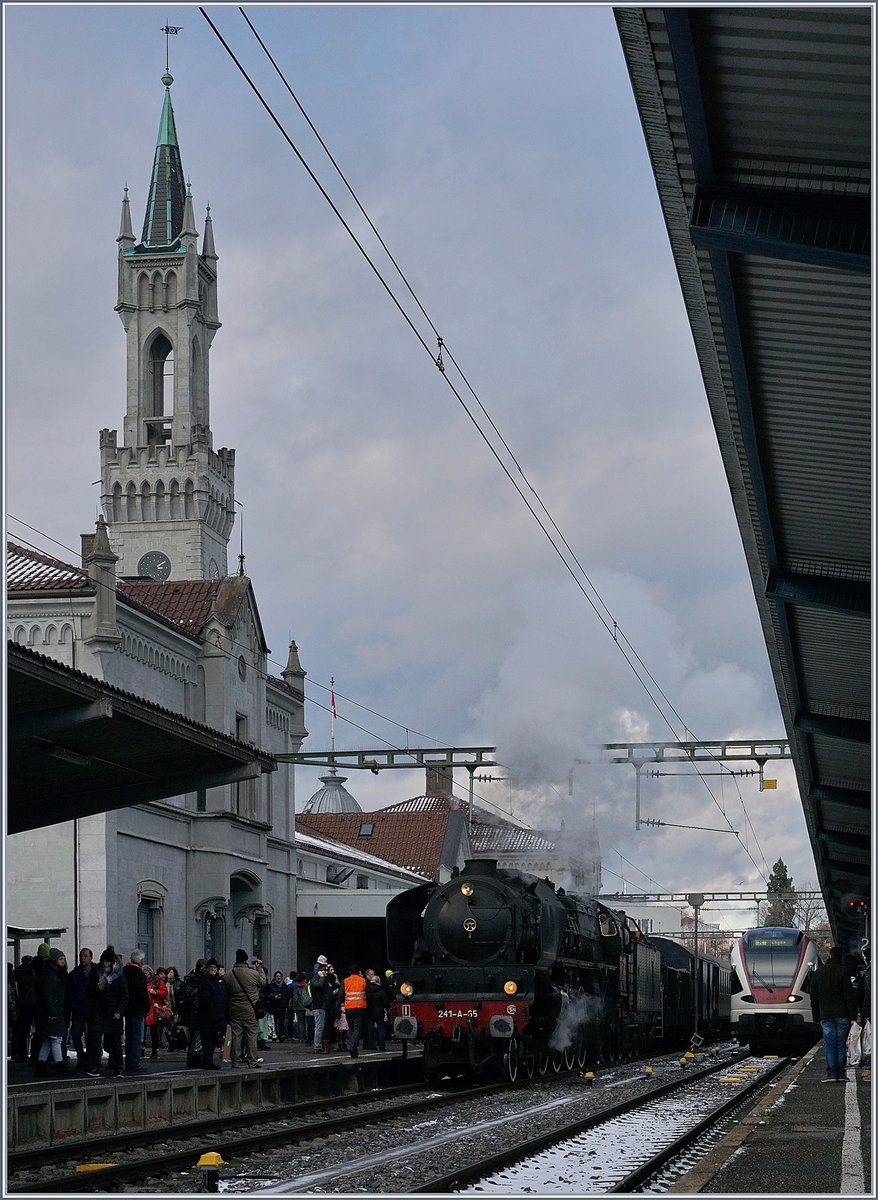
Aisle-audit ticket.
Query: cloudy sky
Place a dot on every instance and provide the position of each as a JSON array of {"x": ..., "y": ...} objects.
[{"x": 499, "y": 153}]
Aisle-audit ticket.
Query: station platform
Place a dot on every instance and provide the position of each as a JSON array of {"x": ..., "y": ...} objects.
[
  {"x": 52, "y": 1110},
  {"x": 804, "y": 1138}
]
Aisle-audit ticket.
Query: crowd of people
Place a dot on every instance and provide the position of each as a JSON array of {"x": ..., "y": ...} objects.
[{"x": 108, "y": 1007}]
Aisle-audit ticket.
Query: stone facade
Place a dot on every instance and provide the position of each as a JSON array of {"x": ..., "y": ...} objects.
[
  {"x": 152, "y": 610},
  {"x": 214, "y": 869}
]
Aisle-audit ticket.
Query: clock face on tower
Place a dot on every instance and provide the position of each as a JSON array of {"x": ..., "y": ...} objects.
[{"x": 154, "y": 565}]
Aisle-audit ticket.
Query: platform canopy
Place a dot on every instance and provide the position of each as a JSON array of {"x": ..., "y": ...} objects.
[
  {"x": 758, "y": 126},
  {"x": 78, "y": 746}
]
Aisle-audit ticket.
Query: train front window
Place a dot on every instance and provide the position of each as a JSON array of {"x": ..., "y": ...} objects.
[{"x": 771, "y": 966}]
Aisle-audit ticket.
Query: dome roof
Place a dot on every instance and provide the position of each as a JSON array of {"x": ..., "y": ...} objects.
[{"x": 332, "y": 797}]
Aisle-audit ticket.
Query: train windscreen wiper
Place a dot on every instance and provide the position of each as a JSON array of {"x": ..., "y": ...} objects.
[{"x": 757, "y": 978}]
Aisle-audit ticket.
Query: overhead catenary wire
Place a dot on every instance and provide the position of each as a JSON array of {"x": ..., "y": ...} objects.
[
  {"x": 615, "y": 632},
  {"x": 310, "y": 698},
  {"x": 266, "y": 675}
]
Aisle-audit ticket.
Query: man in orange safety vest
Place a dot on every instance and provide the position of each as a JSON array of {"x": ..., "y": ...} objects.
[{"x": 353, "y": 1000}]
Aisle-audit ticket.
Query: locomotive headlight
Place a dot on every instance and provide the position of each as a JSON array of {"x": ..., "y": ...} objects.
[
  {"x": 793, "y": 999},
  {"x": 510, "y": 987},
  {"x": 406, "y": 988},
  {"x": 466, "y": 889}
]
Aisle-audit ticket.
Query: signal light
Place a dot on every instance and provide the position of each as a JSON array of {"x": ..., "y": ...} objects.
[{"x": 857, "y": 906}]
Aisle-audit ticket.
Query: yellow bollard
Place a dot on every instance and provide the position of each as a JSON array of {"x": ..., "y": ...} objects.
[
  {"x": 589, "y": 1077},
  {"x": 210, "y": 1164}
]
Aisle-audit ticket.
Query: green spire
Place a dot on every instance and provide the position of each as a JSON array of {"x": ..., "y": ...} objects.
[
  {"x": 164, "y": 209},
  {"x": 167, "y": 130}
]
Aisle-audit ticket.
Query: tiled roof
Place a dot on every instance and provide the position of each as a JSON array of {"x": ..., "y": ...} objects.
[
  {"x": 507, "y": 839},
  {"x": 185, "y": 603},
  {"x": 425, "y": 804},
  {"x": 30, "y": 571},
  {"x": 412, "y": 840},
  {"x": 344, "y": 853}
]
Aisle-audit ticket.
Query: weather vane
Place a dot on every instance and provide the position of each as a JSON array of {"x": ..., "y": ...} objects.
[{"x": 167, "y": 30}]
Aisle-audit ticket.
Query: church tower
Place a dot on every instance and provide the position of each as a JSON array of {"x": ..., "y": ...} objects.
[{"x": 167, "y": 496}]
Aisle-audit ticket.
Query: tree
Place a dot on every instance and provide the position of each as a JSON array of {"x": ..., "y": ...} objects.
[
  {"x": 810, "y": 912},
  {"x": 782, "y": 898}
]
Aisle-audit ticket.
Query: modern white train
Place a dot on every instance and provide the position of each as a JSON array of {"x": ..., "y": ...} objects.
[{"x": 772, "y": 971}]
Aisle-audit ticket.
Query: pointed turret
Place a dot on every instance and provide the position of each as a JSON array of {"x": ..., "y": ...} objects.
[
  {"x": 208, "y": 250},
  {"x": 187, "y": 229},
  {"x": 292, "y": 672},
  {"x": 167, "y": 191},
  {"x": 126, "y": 231}
]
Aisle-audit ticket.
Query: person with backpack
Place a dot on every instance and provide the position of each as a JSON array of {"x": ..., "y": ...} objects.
[
  {"x": 187, "y": 1009},
  {"x": 242, "y": 986}
]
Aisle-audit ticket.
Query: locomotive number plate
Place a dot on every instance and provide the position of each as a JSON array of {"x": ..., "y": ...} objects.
[{"x": 459, "y": 1012}]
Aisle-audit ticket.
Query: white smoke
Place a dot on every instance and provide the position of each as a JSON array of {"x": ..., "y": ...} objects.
[{"x": 575, "y": 1015}]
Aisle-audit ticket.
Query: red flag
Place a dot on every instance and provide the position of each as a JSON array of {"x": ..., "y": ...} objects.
[{"x": 332, "y": 705}]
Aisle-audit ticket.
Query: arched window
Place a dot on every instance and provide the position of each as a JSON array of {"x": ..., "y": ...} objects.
[
  {"x": 131, "y": 502},
  {"x": 214, "y": 935},
  {"x": 189, "y": 500},
  {"x": 174, "y": 500},
  {"x": 171, "y": 290},
  {"x": 262, "y": 937},
  {"x": 195, "y": 381},
  {"x": 146, "y": 510},
  {"x": 150, "y": 900},
  {"x": 117, "y": 502},
  {"x": 161, "y": 365},
  {"x": 159, "y": 500}
]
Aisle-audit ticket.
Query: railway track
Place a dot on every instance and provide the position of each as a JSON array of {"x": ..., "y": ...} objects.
[
  {"x": 72, "y": 1168},
  {"x": 392, "y": 1120},
  {"x": 619, "y": 1148}
]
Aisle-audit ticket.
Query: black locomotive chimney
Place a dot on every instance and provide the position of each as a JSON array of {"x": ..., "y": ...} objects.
[{"x": 480, "y": 866}]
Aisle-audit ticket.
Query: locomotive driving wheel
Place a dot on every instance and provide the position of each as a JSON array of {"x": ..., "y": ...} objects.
[
  {"x": 544, "y": 1054},
  {"x": 528, "y": 1056},
  {"x": 581, "y": 1049},
  {"x": 511, "y": 1061},
  {"x": 612, "y": 1047},
  {"x": 570, "y": 1055}
]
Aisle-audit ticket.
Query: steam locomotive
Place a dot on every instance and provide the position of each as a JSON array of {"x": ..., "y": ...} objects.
[{"x": 500, "y": 970}]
